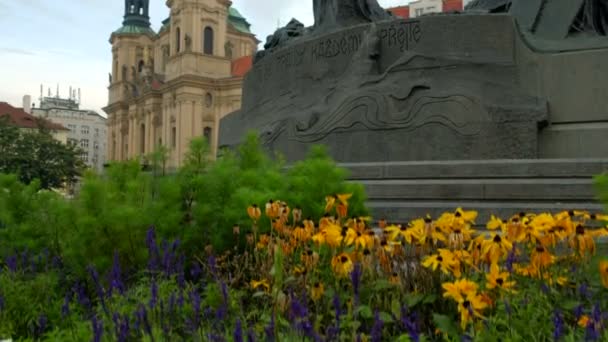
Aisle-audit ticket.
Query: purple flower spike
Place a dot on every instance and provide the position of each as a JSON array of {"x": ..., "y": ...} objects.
[
  {"x": 355, "y": 278},
  {"x": 376, "y": 334},
  {"x": 238, "y": 331},
  {"x": 558, "y": 325},
  {"x": 97, "y": 329}
]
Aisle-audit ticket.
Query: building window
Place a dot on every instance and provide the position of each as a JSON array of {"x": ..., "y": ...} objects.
[
  {"x": 84, "y": 143},
  {"x": 140, "y": 66},
  {"x": 178, "y": 41},
  {"x": 419, "y": 11},
  {"x": 84, "y": 130},
  {"x": 207, "y": 134},
  {"x": 208, "y": 41},
  {"x": 72, "y": 142},
  {"x": 96, "y": 145},
  {"x": 72, "y": 128},
  {"x": 85, "y": 157},
  {"x": 142, "y": 139},
  {"x": 96, "y": 132},
  {"x": 174, "y": 137}
]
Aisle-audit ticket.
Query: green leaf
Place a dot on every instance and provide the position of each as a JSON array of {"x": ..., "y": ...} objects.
[
  {"x": 446, "y": 325},
  {"x": 413, "y": 299},
  {"x": 364, "y": 311},
  {"x": 404, "y": 338},
  {"x": 385, "y": 317}
]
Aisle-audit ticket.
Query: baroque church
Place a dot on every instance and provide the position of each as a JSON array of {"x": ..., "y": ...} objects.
[{"x": 170, "y": 86}]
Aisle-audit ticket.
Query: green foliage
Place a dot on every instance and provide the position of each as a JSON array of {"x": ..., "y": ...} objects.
[
  {"x": 310, "y": 180},
  {"x": 601, "y": 183},
  {"x": 37, "y": 155},
  {"x": 25, "y": 300}
]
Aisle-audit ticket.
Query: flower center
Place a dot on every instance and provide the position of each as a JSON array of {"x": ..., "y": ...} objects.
[
  {"x": 440, "y": 259},
  {"x": 500, "y": 281},
  {"x": 343, "y": 259},
  {"x": 580, "y": 230},
  {"x": 497, "y": 239}
]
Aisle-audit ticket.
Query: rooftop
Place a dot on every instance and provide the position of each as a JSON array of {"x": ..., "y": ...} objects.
[
  {"x": 237, "y": 20},
  {"x": 21, "y": 119}
]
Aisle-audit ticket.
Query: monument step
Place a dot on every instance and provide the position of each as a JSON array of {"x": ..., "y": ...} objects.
[
  {"x": 503, "y": 168},
  {"x": 554, "y": 189},
  {"x": 405, "y": 211}
]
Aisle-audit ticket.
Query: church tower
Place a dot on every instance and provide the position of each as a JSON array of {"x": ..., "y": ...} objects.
[
  {"x": 132, "y": 57},
  {"x": 137, "y": 13}
]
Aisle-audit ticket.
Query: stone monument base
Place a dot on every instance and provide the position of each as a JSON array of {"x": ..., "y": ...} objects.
[{"x": 403, "y": 191}]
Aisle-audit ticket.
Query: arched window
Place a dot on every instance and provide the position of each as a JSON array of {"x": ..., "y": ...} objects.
[
  {"x": 140, "y": 66},
  {"x": 208, "y": 41},
  {"x": 142, "y": 139},
  {"x": 207, "y": 134},
  {"x": 178, "y": 40}
]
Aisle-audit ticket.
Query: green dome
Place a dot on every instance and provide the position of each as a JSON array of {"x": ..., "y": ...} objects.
[
  {"x": 238, "y": 21},
  {"x": 132, "y": 29}
]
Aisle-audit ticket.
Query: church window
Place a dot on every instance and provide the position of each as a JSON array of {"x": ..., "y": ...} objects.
[
  {"x": 142, "y": 139},
  {"x": 207, "y": 134},
  {"x": 174, "y": 137},
  {"x": 208, "y": 41}
]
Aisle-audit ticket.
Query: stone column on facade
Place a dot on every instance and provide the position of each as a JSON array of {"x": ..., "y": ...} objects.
[{"x": 199, "y": 114}]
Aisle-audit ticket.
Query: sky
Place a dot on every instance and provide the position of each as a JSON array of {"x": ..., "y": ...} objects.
[{"x": 63, "y": 43}]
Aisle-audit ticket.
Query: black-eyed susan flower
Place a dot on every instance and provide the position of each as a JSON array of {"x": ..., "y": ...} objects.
[
  {"x": 263, "y": 242},
  {"x": 582, "y": 241},
  {"x": 469, "y": 308},
  {"x": 496, "y": 248},
  {"x": 460, "y": 289},
  {"x": 395, "y": 279},
  {"x": 263, "y": 285},
  {"x": 541, "y": 257},
  {"x": 299, "y": 271},
  {"x": 254, "y": 212},
  {"x": 310, "y": 259},
  {"x": 272, "y": 209},
  {"x": 317, "y": 291},
  {"x": 296, "y": 214},
  {"x": 396, "y": 232},
  {"x": 445, "y": 260},
  {"x": 496, "y": 223},
  {"x": 499, "y": 280},
  {"x": 342, "y": 265},
  {"x": 604, "y": 272},
  {"x": 330, "y": 202},
  {"x": 301, "y": 234}
]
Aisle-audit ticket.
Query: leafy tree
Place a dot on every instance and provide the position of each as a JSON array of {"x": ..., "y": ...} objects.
[{"x": 37, "y": 155}]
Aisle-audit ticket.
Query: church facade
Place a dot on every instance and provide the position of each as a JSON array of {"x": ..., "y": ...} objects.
[{"x": 170, "y": 86}]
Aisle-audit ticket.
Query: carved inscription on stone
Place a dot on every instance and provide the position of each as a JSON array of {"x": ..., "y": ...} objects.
[{"x": 401, "y": 34}]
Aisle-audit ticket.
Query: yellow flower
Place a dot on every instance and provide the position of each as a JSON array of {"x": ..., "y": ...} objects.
[
  {"x": 310, "y": 259},
  {"x": 584, "y": 321},
  {"x": 317, "y": 291},
  {"x": 467, "y": 216},
  {"x": 469, "y": 308},
  {"x": 541, "y": 258},
  {"x": 395, "y": 279},
  {"x": 459, "y": 289},
  {"x": 583, "y": 241},
  {"x": 263, "y": 242},
  {"x": 500, "y": 280},
  {"x": 262, "y": 284},
  {"x": 272, "y": 209},
  {"x": 301, "y": 234},
  {"x": 254, "y": 212},
  {"x": 336, "y": 235},
  {"x": 342, "y": 265},
  {"x": 299, "y": 271},
  {"x": 449, "y": 264},
  {"x": 604, "y": 272},
  {"x": 343, "y": 198},
  {"x": 496, "y": 248},
  {"x": 495, "y": 223},
  {"x": 330, "y": 201},
  {"x": 396, "y": 231}
]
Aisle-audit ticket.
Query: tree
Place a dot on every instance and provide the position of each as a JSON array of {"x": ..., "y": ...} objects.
[{"x": 37, "y": 155}]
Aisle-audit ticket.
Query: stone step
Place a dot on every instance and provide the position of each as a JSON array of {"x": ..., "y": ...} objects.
[
  {"x": 542, "y": 189},
  {"x": 405, "y": 211},
  {"x": 502, "y": 168}
]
